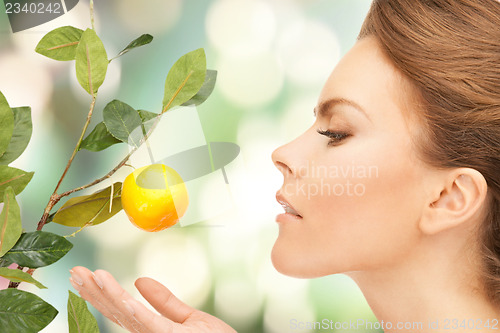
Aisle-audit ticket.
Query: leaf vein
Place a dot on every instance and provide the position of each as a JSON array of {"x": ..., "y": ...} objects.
[
  {"x": 74, "y": 315},
  {"x": 89, "y": 69},
  {"x": 12, "y": 179},
  {"x": 62, "y": 45},
  {"x": 41, "y": 250},
  {"x": 124, "y": 124},
  {"x": 178, "y": 91}
]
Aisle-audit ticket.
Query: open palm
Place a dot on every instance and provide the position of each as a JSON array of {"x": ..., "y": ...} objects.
[{"x": 102, "y": 291}]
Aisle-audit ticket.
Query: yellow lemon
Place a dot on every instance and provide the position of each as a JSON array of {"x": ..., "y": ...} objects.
[{"x": 154, "y": 197}]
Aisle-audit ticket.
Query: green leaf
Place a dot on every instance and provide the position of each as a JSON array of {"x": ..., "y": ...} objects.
[
  {"x": 16, "y": 275},
  {"x": 10, "y": 222},
  {"x": 21, "y": 311},
  {"x": 60, "y": 44},
  {"x": 38, "y": 249},
  {"x": 205, "y": 90},
  {"x": 21, "y": 135},
  {"x": 147, "y": 115},
  {"x": 121, "y": 119},
  {"x": 80, "y": 320},
  {"x": 185, "y": 79},
  {"x": 141, "y": 41},
  {"x": 4, "y": 263},
  {"x": 6, "y": 123},
  {"x": 99, "y": 139},
  {"x": 16, "y": 178},
  {"x": 91, "y": 62},
  {"x": 90, "y": 209}
]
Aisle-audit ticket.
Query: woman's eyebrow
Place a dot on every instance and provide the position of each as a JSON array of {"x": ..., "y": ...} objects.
[{"x": 324, "y": 109}]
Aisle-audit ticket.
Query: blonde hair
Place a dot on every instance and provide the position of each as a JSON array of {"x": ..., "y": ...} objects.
[{"x": 450, "y": 52}]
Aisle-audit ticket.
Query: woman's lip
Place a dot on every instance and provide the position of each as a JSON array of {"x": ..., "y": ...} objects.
[
  {"x": 287, "y": 217},
  {"x": 289, "y": 209}
]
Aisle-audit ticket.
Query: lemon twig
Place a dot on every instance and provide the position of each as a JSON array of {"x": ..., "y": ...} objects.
[
  {"x": 81, "y": 228},
  {"x": 91, "y": 7},
  {"x": 54, "y": 198},
  {"x": 124, "y": 161}
]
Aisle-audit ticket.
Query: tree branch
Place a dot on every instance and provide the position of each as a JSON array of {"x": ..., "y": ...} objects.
[
  {"x": 54, "y": 198},
  {"x": 119, "y": 165},
  {"x": 92, "y": 14}
]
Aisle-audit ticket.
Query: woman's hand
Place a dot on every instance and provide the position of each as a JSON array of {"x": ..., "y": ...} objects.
[{"x": 102, "y": 291}]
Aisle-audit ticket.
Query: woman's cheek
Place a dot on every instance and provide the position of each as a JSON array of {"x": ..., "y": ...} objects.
[{"x": 364, "y": 220}]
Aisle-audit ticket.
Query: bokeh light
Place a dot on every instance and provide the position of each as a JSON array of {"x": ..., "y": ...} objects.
[
  {"x": 24, "y": 82},
  {"x": 241, "y": 28},
  {"x": 157, "y": 16},
  {"x": 250, "y": 81},
  {"x": 123, "y": 233},
  {"x": 237, "y": 301},
  {"x": 278, "y": 314},
  {"x": 178, "y": 262},
  {"x": 308, "y": 50}
]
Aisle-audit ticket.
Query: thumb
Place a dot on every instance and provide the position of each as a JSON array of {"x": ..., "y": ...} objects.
[{"x": 163, "y": 300}]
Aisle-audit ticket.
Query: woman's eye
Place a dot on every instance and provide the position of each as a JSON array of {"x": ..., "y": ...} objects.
[{"x": 335, "y": 137}]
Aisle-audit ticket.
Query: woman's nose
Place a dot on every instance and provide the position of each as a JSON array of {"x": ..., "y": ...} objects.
[
  {"x": 292, "y": 158},
  {"x": 279, "y": 157}
]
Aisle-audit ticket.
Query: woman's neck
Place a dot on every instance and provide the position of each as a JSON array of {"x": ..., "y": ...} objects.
[{"x": 435, "y": 290}]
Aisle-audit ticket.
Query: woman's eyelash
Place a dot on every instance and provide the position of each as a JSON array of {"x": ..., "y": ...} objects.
[{"x": 335, "y": 137}]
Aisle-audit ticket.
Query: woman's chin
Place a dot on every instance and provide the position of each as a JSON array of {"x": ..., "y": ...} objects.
[
  {"x": 289, "y": 262},
  {"x": 292, "y": 259}
]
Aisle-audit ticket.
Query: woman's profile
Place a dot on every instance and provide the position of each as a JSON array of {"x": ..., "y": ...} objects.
[{"x": 415, "y": 107}]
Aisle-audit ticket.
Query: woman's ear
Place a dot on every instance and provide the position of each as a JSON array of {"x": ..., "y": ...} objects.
[{"x": 459, "y": 196}]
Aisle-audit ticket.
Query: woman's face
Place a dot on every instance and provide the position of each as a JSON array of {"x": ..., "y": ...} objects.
[{"x": 353, "y": 181}]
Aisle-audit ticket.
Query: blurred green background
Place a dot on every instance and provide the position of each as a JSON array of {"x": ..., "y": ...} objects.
[{"x": 273, "y": 57}]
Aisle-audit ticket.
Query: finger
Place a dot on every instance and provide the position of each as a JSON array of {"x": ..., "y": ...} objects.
[
  {"x": 106, "y": 295},
  {"x": 132, "y": 309},
  {"x": 81, "y": 279},
  {"x": 163, "y": 300},
  {"x": 113, "y": 295},
  {"x": 152, "y": 321}
]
